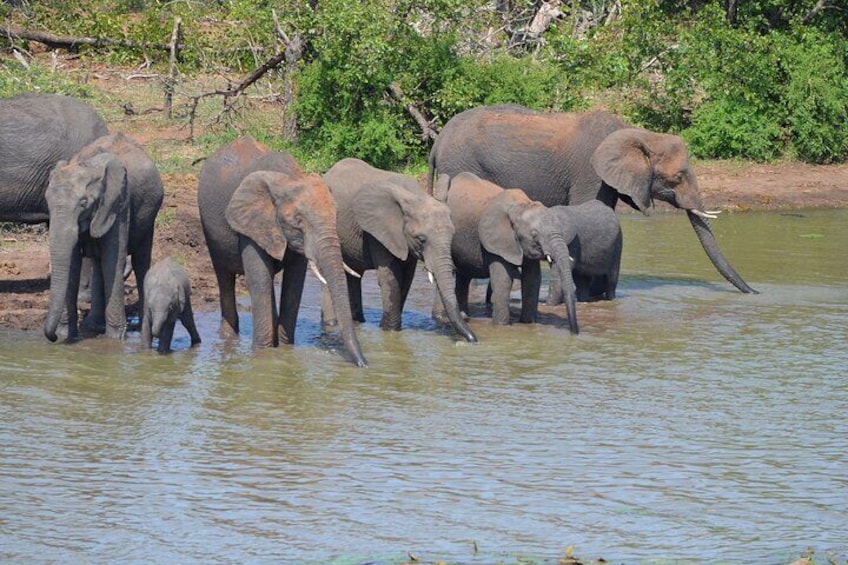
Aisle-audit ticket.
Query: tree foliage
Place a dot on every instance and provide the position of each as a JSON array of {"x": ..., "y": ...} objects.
[{"x": 759, "y": 79}]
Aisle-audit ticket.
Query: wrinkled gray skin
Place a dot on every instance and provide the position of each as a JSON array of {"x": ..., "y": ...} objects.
[
  {"x": 36, "y": 132},
  {"x": 386, "y": 222},
  {"x": 167, "y": 298},
  {"x": 103, "y": 205},
  {"x": 593, "y": 232},
  {"x": 502, "y": 234},
  {"x": 261, "y": 214},
  {"x": 571, "y": 158}
]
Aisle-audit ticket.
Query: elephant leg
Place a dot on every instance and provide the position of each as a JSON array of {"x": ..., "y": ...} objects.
[
  {"x": 259, "y": 277},
  {"x": 500, "y": 278},
  {"x": 70, "y": 318},
  {"x": 612, "y": 276},
  {"x": 531, "y": 283},
  {"x": 463, "y": 286},
  {"x": 141, "y": 264},
  {"x": 291, "y": 292},
  {"x": 116, "y": 315},
  {"x": 227, "y": 298},
  {"x": 95, "y": 322},
  {"x": 354, "y": 290},
  {"x": 85, "y": 280},
  {"x": 166, "y": 336},
  {"x": 407, "y": 275},
  {"x": 187, "y": 319},
  {"x": 389, "y": 277},
  {"x": 146, "y": 331}
]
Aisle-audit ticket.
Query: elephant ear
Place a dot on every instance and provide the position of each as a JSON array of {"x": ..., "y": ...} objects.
[
  {"x": 379, "y": 210},
  {"x": 252, "y": 212},
  {"x": 496, "y": 229},
  {"x": 622, "y": 160},
  {"x": 113, "y": 200}
]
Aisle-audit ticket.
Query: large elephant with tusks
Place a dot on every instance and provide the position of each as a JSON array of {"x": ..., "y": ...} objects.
[{"x": 571, "y": 158}]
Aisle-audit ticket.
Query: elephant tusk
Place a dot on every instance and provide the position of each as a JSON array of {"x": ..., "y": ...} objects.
[
  {"x": 431, "y": 278},
  {"x": 705, "y": 215},
  {"x": 713, "y": 212},
  {"x": 549, "y": 259},
  {"x": 314, "y": 268},
  {"x": 349, "y": 270}
]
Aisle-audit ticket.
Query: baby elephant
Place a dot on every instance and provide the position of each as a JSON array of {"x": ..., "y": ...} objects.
[{"x": 167, "y": 297}]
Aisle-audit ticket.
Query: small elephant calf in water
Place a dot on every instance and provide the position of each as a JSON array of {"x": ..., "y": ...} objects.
[{"x": 167, "y": 297}]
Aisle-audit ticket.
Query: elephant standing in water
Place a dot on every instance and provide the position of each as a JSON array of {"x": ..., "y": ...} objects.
[
  {"x": 386, "y": 222},
  {"x": 566, "y": 158},
  {"x": 167, "y": 298},
  {"x": 36, "y": 132},
  {"x": 103, "y": 205},
  {"x": 502, "y": 234},
  {"x": 261, "y": 214}
]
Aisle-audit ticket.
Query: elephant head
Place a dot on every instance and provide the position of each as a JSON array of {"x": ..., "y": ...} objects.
[
  {"x": 517, "y": 228},
  {"x": 89, "y": 206},
  {"x": 412, "y": 222},
  {"x": 291, "y": 212},
  {"x": 643, "y": 166}
]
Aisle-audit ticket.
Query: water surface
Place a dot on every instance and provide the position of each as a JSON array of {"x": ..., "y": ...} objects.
[{"x": 687, "y": 422}]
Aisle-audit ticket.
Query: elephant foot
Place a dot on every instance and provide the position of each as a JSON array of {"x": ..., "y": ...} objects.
[
  {"x": 90, "y": 328},
  {"x": 119, "y": 332}
]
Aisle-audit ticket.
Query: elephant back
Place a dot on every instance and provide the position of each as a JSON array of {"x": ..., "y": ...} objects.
[{"x": 37, "y": 131}]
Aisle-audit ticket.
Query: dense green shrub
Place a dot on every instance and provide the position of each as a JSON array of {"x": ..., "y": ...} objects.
[
  {"x": 766, "y": 81},
  {"x": 816, "y": 97}
]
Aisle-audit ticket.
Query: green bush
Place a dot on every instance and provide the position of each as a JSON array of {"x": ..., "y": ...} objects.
[
  {"x": 816, "y": 98},
  {"x": 728, "y": 128}
]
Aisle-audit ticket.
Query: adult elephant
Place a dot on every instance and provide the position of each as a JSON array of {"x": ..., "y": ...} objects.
[
  {"x": 36, "y": 132},
  {"x": 501, "y": 234},
  {"x": 386, "y": 222},
  {"x": 571, "y": 158},
  {"x": 261, "y": 214},
  {"x": 103, "y": 205}
]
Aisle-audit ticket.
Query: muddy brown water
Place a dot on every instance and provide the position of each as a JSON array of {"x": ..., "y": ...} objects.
[{"x": 686, "y": 422}]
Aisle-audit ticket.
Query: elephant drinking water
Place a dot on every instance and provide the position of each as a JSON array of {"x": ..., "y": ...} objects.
[
  {"x": 386, "y": 222},
  {"x": 569, "y": 158}
]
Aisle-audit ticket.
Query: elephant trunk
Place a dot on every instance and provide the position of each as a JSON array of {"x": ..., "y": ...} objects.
[
  {"x": 330, "y": 265},
  {"x": 64, "y": 258},
  {"x": 562, "y": 263},
  {"x": 442, "y": 271},
  {"x": 708, "y": 242}
]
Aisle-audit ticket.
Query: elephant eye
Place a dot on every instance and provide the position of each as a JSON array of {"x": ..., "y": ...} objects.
[
  {"x": 83, "y": 202},
  {"x": 421, "y": 239}
]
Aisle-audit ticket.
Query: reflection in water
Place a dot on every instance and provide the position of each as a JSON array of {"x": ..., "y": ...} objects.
[{"x": 686, "y": 421}]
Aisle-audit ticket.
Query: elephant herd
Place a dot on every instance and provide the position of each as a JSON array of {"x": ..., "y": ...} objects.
[{"x": 507, "y": 188}]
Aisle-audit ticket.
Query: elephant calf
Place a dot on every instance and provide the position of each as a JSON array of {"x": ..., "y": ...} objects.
[
  {"x": 167, "y": 298},
  {"x": 502, "y": 234},
  {"x": 595, "y": 250}
]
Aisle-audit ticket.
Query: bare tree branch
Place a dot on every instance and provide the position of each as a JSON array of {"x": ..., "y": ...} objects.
[
  {"x": 428, "y": 128},
  {"x": 73, "y": 43},
  {"x": 232, "y": 93}
]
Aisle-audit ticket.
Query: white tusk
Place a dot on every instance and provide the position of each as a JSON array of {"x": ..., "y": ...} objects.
[
  {"x": 350, "y": 271},
  {"x": 314, "y": 268},
  {"x": 705, "y": 215},
  {"x": 431, "y": 278},
  {"x": 713, "y": 212},
  {"x": 548, "y": 257}
]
